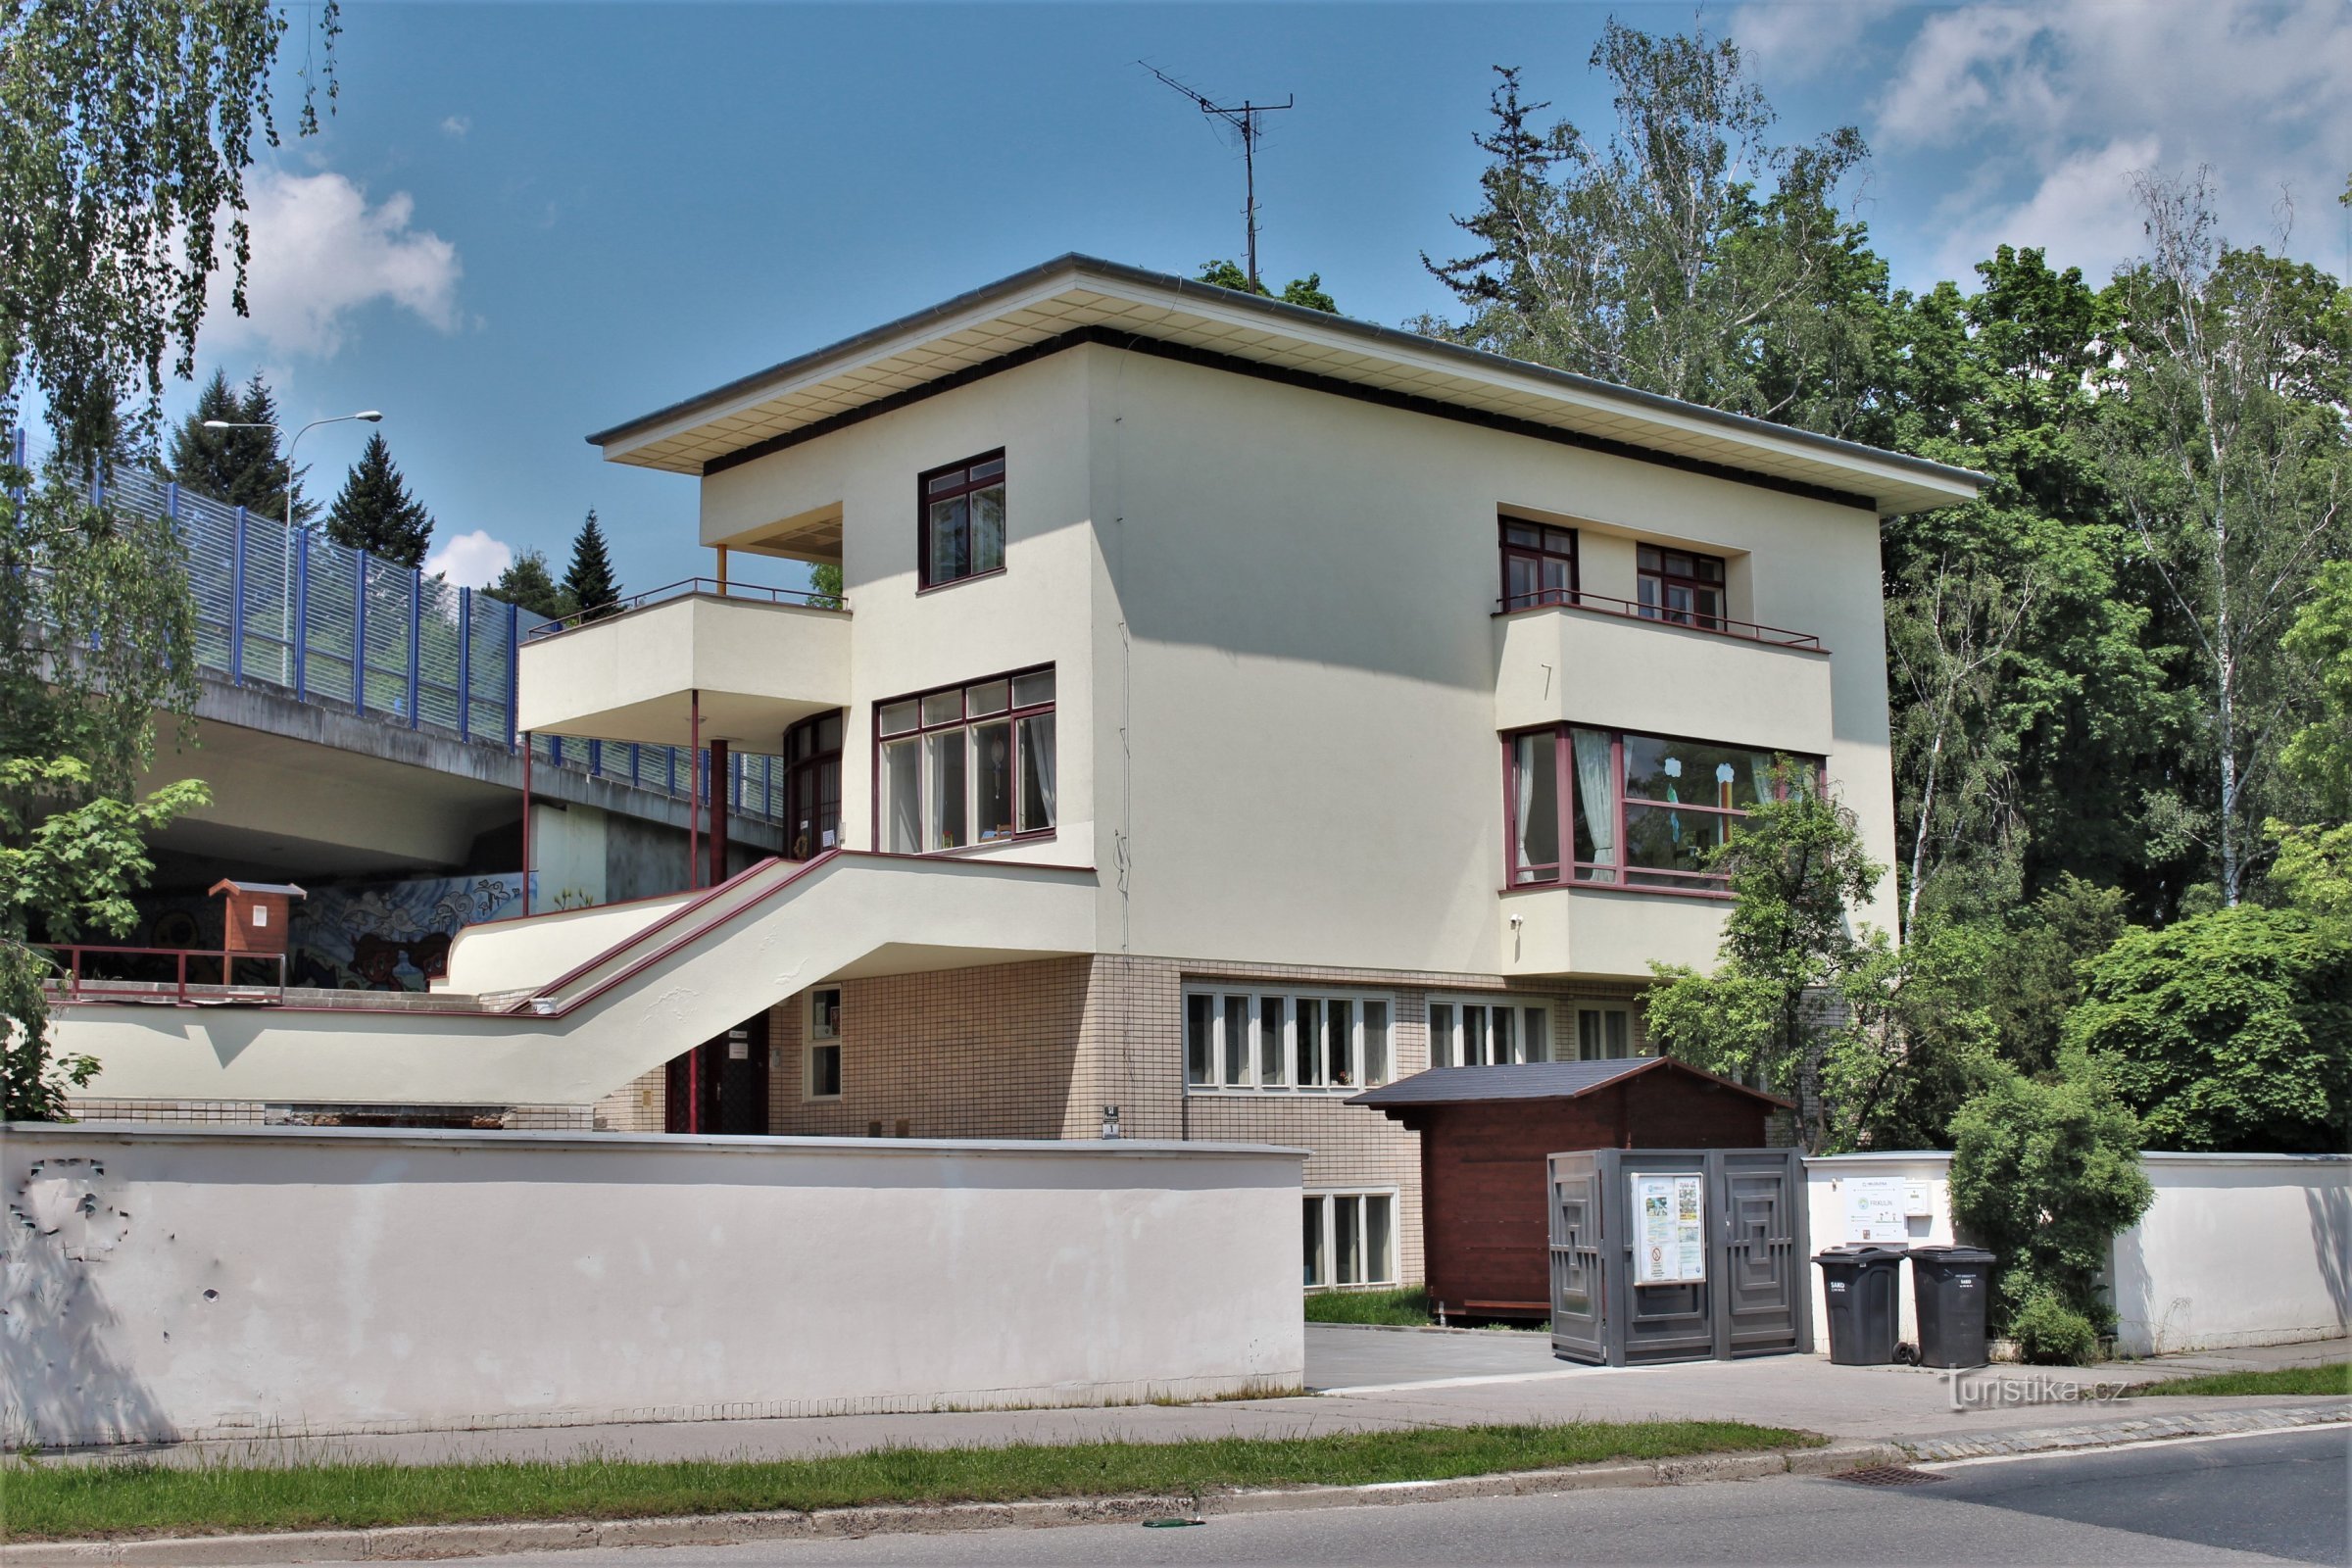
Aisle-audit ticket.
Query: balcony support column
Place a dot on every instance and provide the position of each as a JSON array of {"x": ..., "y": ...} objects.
[
  {"x": 694, "y": 787},
  {"x": 718, "y": 814},
  {"x": 526, "y": 823}
]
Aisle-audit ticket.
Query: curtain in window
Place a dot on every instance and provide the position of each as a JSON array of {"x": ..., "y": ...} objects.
[
  {"x": 1759, "y": 768},
  {"x": 1597, "y": 793},
  {"x": 1536, "y": 823},
  {"x": 1037, "y": 773}
]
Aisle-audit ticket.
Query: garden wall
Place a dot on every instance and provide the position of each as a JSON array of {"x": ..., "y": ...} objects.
[{"x": 169, "y": 1282}]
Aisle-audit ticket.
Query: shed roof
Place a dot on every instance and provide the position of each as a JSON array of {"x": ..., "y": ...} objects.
[
  {"x": 282, "y": 889},
  {"x": 1076, "y": 298},
  {"x": 1533, "y": 1080}
]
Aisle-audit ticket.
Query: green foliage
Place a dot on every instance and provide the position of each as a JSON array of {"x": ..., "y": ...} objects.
[
  {"x": 244, "y": 467},
  {"x": 1920, "y": 1039},
  {"x": 376, "y": 514},
  {"x": 1794, "y": 867},
  {"x": 129, "y": 128},
  {"x": 2049, "y": 1332},
  {"x": 824, "y": 585},
  {"x": 527, "y": 582},
  {"x": 2332, "y": 1378},
  {"x": 2317, "y": 759},
  {"x": 2314, "y": 868},
  {"x": 1406, "y": 1308},
  {"x": 2046, "y": 1174},
  {"x": 589, "y": 583},
  {"x": 97, "y": 625},
  {"x": 2226, "y": 1031},
  {"x": 2033, "y": 975},
  {"x": 2226, "y": 444},
  {"x": 1693, "y": 255},
  {"x": 1305, "y": 292}
]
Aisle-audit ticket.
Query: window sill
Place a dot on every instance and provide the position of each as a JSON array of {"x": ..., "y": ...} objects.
[
  {"x": 1041, "y": 836},
  {"x": 957, "y": 583},
  {"x": 1620, "y": 889}
]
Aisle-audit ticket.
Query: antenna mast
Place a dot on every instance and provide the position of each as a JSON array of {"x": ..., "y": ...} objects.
[{"x": 1243, "y": 117}]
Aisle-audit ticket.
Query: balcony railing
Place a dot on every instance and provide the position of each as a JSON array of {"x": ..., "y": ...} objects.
[
  {"x": 1626, "y": 609},
  {"x": 90, "y": 972},
  {"x": 685, "y": 588},
  {"x": 291, "y": 610}
]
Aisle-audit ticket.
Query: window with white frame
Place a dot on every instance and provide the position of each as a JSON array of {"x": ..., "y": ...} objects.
[
  {"x": 822, "y": 1038},
  {"x": 966, "y": 764},
  {"x": 1350, "y": 1238},
  {"x": 1263, "y": 1041},
  {"x": 1605, "y": 1034},
  {"x": 1487, "y": 1031}
]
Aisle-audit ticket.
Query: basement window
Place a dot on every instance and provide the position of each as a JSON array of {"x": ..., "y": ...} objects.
[
  {"x": 1267, "y": 1042},
  {"x": 1484, "y": 1032},
  {"x": 1350, "y": 1239}
]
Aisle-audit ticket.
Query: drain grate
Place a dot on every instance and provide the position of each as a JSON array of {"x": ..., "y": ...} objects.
[{"x": 1889, "y": 1475}]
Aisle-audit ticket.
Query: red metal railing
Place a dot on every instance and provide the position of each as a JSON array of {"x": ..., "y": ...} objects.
[
  {"x": 149, "y": 981},
  {"x": 1626, "y": 609},
  {"x": 686, "y": 588}
]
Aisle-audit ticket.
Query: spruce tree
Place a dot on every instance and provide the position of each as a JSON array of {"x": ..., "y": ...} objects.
[
  {"x": 241, "y": 467},
  {"x": 376, "y": 512},
  {"x": 590, "y": 583},
  {"x": 527, "y": 583}
]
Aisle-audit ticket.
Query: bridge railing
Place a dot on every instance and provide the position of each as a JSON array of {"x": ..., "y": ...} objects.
[{"x": 290, "y": 610}]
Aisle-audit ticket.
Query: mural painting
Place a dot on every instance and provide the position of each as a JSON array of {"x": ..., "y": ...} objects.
[{"x": 392, "y": 936}]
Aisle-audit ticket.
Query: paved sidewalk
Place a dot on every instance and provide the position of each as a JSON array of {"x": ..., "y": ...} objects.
[{"x": 1450, "y": 1380}]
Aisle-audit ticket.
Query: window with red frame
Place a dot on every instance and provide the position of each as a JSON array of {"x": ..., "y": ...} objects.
[
  {"x": 962, "y": 528},
  {"x": 965, "y": 765},
  {"x": 1631, "y": 811},
  {"x": 812, "y": 785},
  {"x": 1682, "y": 586},
  {"x": 1538, "y": 564}
]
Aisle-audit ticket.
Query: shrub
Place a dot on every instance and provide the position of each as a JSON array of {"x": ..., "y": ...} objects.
[
  {"x": 2226, "y": 1031},
  {"x": 2050, "y": 1333},
  {"x": 2046, "y": 1174}
]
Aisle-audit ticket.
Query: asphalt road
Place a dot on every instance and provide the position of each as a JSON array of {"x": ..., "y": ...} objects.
[{"x": 2267, "y": 1499}]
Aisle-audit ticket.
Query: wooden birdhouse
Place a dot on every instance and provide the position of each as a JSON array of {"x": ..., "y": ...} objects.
[{"x": 257, "y": 918}]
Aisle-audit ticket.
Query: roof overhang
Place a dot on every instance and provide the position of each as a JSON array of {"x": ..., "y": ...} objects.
[{"x": 1080, "y": 299}]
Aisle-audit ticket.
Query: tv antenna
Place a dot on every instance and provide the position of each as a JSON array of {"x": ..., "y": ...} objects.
[{"x": 1243, "y": 117}]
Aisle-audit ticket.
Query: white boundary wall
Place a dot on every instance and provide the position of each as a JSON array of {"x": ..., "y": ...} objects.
[
  {"x": 167, "y": 1282},
  {"x": 2237, "y": 1248}
]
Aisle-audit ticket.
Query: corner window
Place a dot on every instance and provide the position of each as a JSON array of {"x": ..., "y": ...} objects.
[
  {"x": 1538, "y": 564},
  {"x": 1487, "y": 1032},
  {"x": 1350, "y": 1239},
  {"x": 1272, "y": 1041},
  {"x": 822, "y": 1037},
  {"x": 966, "y": 764},
  {"x": 1680, "y": 586},
  {"x": 812, "y": 785},
  {"x": 962, "y": 525},
  {"x": 1639, "y": 811}
]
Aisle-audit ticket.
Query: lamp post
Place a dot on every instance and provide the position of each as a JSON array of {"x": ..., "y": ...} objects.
[{"x": 370, "y": 415}]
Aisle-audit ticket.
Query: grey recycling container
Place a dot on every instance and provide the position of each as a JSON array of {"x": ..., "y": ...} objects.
[
  {"x": 1951, "y": 1285},
  {"x": 1861, "y": 1286}
]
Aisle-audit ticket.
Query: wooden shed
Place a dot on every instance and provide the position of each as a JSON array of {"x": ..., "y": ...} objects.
[
  {"x": 258, "y": 915},
  {"x": 1486, "y": 1131}
]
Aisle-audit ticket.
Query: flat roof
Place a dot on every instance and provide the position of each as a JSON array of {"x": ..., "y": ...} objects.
[{"x": 1075, "y": 297}]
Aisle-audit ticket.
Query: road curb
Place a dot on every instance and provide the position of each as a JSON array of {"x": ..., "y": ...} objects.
[{"x": 411, "y": 1542}]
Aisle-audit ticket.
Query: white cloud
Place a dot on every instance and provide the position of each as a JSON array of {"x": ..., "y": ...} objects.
[
  {"x": 320, "y": 253},
  {"x": 2046, "y": 110},
  {"x": 1797, "y": 42},
  {"x": 457, "y": 126},
  {"x": 470, "y": 560}
]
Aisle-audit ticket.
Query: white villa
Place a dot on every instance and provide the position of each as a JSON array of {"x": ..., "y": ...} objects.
[{"x": 1228, "y": 706}]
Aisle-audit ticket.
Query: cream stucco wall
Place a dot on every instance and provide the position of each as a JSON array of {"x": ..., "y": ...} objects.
[
  {"x": 187, "y": 1283},
  {"x": 1296, "y": 638}
]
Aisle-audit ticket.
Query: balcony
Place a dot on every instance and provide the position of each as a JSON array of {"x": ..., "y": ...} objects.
[
  {"x": 1601, "y": 661},
  {"x": 746, "y": 662},
  {"x": 1606, "y": 933}
]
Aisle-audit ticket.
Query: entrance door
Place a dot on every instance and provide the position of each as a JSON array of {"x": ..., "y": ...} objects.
[{"x": 721, "y": 1086}]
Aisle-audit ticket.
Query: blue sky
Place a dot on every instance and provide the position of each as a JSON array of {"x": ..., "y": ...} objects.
[{"x": 528, "y": 221}]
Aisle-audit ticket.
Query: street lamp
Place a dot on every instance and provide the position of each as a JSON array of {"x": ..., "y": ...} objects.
[{"x": 371, "y": 415}]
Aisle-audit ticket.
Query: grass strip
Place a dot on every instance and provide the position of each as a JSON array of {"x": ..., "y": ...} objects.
[
  {"x": 1406, "y": 1308},
  {"x": 2332, "y": 1377},
  {"x": 54, "y": 1500}
]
